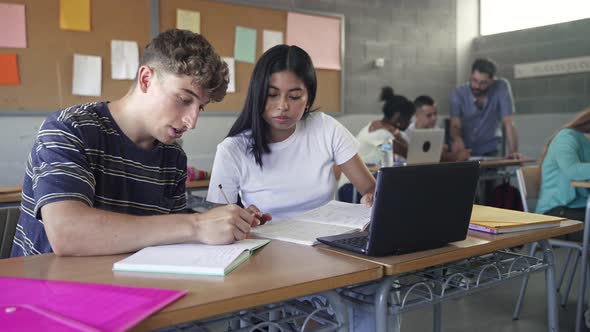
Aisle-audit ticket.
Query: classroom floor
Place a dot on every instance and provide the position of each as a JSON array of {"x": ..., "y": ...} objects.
[{"x": 491, "y": 310}]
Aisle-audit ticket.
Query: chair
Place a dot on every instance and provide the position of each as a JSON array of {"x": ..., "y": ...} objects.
[
  {"x": 8, "y": 220},
  {"x": 529, "y": 184}
]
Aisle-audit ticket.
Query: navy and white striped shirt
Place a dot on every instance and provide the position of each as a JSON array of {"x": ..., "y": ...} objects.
[{"x": 82, "y": 154}]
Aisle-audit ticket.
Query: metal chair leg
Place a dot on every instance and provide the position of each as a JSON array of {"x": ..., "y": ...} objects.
[
  {"x": 565, "y": 296},
  {"x": 564, "y": 269},
  {"x": 525, "y": 281}
]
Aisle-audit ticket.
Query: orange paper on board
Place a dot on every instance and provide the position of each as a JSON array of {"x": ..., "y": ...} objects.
[{"x": 8, "y": 70}]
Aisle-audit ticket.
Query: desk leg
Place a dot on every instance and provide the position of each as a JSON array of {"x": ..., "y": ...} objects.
[
  {"x": 381, "y": 303},
  {"x": 583, "y": 270},
  {"x": 436, "y": 317},
  {"x": 340, "y": 309},
  {"x": 549, "y": 259}
]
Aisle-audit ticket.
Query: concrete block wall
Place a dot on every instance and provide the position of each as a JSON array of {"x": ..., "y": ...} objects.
[
  {"x": 415, "y": 37},
  {"x": 550, "y": 94}
]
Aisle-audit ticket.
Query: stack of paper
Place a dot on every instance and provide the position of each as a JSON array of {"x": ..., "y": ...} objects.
[{"x": 495, "y": 220}]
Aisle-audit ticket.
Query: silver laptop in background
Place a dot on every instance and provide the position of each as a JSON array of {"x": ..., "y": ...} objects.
[{"x": 425, "y": 146}]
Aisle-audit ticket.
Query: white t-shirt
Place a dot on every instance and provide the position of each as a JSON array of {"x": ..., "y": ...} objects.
[
  {"x": 370, "y": 144},
  {"x": 406, "y": 133},
  {"x": 296, "y": 176}
]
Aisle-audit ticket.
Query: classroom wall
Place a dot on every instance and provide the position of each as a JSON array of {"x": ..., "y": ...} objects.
[
  {"x": 550, "y": 94},
  {"x": 426, "y": 46},
  {"x": 467, "y": 29},
  {"x": 415, "y": 37}
]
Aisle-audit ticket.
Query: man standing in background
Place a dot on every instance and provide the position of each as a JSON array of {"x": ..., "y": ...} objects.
[{"x": 477, "y": 109}]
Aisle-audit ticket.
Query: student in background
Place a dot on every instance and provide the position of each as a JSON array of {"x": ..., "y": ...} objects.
[
  {"x": 477, "y": 109},
  {"x": 566, "y": 158},
  {"x": 425, "y": 118},
  {"x": 397, "y": 114},
  {"x": 107, "y": 177},
  {"x": 278, "y": 155}
]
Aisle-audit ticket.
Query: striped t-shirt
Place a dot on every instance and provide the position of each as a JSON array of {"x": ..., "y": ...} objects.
[{"x": 82, "y": 154}]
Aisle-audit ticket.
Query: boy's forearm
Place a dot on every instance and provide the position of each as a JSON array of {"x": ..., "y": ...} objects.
[{"x": 75, "y": 229}]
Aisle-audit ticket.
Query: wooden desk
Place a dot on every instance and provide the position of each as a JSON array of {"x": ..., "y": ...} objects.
[
  {"x": 505, "y": 162},
  {"x": 11, "y": 196},
  {"x": 11, "y": 189},
  {"x": 198, "y": 184},
  {"x": 580, "y": 184},
  {"x": 476, "y": 244},
  {"x": 276, "y": 272},
  {"x": 585, "y": 247},
  {"x": 10, "y": 199}
]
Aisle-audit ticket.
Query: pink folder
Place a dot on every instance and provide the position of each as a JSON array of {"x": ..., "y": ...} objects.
[{"x": 43, "y": 305}]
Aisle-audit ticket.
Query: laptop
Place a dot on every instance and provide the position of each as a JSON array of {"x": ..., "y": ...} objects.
[
  {"x": 425, "y": 146},
  {"x": 415, "y": 208}
]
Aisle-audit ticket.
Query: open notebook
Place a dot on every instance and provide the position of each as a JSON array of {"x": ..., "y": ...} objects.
[
  {"x": 494, "y": 220},
  {"x": 191, "y": 258},
  {"x": 330, "y": 219}
]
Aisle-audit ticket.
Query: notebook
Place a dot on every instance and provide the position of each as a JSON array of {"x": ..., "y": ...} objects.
[
  {"x": 191, "y": 258},
  {"x": 332, "y": 218},
  {"x": 494, "y": 220},
  {"x": 425, "y": 146},
  {"x": 47, "y": 305},
  {"x": 415, "y": 208}
]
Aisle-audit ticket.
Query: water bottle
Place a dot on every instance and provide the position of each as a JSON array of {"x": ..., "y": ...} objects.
[{"x": 387, "y": 154}]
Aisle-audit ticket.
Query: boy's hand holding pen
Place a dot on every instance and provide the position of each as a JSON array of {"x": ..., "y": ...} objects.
[{"x": 261, "y": 217}]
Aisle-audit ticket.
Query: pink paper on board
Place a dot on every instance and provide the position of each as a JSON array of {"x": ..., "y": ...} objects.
[
  {"x": 72, "y": 306},
  {"x": 319, "y": 36},
  {"x": 13, "y": 32}
]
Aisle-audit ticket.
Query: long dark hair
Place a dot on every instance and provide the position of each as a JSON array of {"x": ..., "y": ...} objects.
[{"x": 277, "y": 59}]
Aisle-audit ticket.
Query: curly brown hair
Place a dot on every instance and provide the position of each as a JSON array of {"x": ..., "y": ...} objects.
[{"x": 183, "y": 52}]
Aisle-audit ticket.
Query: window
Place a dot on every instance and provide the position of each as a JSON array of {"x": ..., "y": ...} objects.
[{"x": 508, "y": 15}]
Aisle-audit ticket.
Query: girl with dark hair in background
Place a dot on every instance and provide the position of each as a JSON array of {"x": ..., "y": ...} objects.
[{"x": 397, "y": 115}]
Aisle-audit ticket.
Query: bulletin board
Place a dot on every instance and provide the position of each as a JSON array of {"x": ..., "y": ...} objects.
[
  {"x": 218, "y": 24},
  {"x": 46, "y": 65}
]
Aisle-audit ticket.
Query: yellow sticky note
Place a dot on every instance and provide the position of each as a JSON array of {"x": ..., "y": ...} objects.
[
  {"x": 74, "y": 15},
  {"x": 188, "y": 20}
]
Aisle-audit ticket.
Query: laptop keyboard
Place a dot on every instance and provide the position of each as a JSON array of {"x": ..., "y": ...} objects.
[{"x": 358, "y": 242}]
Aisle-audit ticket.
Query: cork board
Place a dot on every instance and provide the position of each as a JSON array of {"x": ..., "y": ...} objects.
[
  {"x": 46, "y": 65},
  {"x": 218, "y": 24}
]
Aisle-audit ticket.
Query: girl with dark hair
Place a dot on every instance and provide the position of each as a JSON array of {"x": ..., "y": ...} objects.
[
  {"x": 397, "y": 115},
  {"x": 279, "y": 154}
]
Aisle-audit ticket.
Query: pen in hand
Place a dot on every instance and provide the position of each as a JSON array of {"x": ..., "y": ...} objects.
[{"x": 258, "y": 216}]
